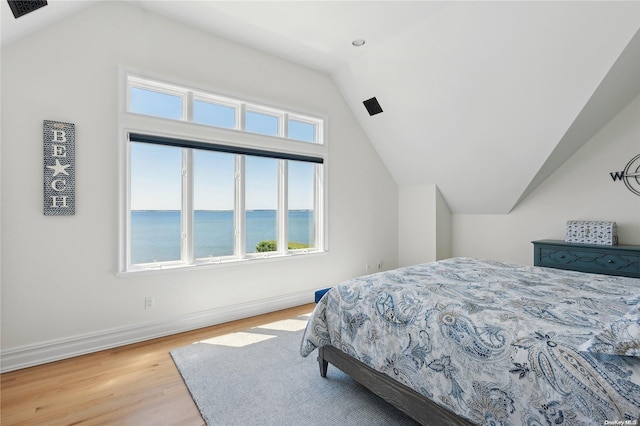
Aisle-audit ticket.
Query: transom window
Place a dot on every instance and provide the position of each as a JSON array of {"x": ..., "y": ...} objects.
[
  {"x": 179, "y": 103},
  {"x": 230, "y": 181}
]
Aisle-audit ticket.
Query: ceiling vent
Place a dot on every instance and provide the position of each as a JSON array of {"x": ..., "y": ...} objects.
[
  {"x": 21, "y": 8},
  {"x": 372, "y": 106}
]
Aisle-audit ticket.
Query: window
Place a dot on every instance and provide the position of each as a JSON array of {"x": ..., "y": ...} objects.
[
  {"x": 215, "y": 112},
  {"x": 156, "y": 173},
  {"x": 262, "y": 123},
  {"x": 213, "y": 200},
  {"x": 159, "y": 100},
  {"x": 300, "y": 210},
  {"x": 261, "y": 201},
  {"x": 302, "y": 130},
  {"x": 242, "y": 181}
]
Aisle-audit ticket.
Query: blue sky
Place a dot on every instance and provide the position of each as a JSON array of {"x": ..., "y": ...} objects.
[{"x": 156, "y": 170}]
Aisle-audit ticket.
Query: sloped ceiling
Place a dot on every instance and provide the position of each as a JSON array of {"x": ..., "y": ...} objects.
[{"x": 483, "y": 99}]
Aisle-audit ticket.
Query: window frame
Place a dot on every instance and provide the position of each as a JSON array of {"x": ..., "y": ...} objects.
[{"x": 138, "y": 123}]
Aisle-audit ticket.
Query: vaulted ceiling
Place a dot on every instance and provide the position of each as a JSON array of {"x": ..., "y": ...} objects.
[{"x": 483, "y": 99}]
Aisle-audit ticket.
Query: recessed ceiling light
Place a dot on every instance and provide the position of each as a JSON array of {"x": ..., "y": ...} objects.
[{"x": 358, "y": 42}]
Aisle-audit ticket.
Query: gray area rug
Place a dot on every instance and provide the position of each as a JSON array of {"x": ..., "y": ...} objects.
[{"x": 257, "y": 377}]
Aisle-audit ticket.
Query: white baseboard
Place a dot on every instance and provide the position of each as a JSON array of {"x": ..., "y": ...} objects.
[{"x": 31, "y": 355}]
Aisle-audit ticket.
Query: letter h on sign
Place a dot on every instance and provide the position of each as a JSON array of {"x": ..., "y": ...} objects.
[{"x": 59, "y": 142}]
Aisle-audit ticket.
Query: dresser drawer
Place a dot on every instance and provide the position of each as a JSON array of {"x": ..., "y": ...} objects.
[
  {"x": 624, "y": 260},
  {"x": 600, "y": 262}
]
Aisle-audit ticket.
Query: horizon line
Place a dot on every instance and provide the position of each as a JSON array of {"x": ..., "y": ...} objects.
[{"x": 213, "y": 210}]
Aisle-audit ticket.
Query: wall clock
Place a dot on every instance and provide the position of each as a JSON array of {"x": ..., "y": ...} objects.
[{"x": 630, "y": 175}]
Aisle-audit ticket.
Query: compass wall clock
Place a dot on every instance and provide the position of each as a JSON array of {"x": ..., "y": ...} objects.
[{"x": 630, "y": 175}]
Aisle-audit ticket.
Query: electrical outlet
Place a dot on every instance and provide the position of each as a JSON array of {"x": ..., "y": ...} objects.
[
  {"x": 379, "y": 265},
  {"x": 149, "y": 303},
  {"x": 367, "y": 267}
]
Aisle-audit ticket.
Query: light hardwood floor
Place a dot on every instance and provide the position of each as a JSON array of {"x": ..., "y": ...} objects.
[{"x": 132, "y": 385}]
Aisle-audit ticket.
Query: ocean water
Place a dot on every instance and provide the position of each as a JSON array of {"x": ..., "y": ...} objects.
[{"x": 155, "y": 234}]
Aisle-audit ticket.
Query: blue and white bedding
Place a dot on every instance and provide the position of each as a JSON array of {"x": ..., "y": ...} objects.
[{"x": 496, "y": 343}]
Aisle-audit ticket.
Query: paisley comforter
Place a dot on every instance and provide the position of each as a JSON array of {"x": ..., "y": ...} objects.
[{"x": 496, "y": 343}]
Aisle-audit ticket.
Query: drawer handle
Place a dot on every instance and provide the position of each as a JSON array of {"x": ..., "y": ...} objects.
[
  {"x": 610, "y": 261},
  {"x": 561, "y": 256}
]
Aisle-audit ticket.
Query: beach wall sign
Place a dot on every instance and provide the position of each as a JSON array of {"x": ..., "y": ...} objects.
[{"x": 59, "y": 143}]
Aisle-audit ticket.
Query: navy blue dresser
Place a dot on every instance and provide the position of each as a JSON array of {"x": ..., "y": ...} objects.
[{"x": 621, "y": 260}]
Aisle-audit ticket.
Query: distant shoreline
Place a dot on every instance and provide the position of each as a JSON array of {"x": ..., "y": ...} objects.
[
  {"x": 207, "y": 210},
  {"x": 155, "y": 235}
]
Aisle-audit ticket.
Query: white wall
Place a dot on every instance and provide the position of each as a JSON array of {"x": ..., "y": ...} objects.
[
  {"x": 60, "y": 293},
  {"x": 443, "y": 227},
  {"x": 416, "y": 224},
  {"x": 581, "y": 189},
  {"x": 424, "y": 225}
]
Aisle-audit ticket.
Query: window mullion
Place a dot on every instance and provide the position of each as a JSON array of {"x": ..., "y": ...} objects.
[
  {"x": 241, "y": 120},
  {"x": 127, "y": 218},
  {"x": 318, "y": 207},
  {"x": 188, "y": 107},
  {"x": 187, "y": 252},
  {"x": 240, "y": 246},
  {"x": 283, "y": 206},
  {"x": 284, "y": 125}
]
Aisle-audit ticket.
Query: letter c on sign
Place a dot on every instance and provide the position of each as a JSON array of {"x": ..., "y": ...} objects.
[{"x": 54, "y": 185}]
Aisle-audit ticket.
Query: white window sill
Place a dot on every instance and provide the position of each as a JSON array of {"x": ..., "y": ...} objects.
[{"x": 161, "y": 268}]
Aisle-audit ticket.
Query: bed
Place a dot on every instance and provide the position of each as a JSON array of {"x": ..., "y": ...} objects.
[{"x": 467, "y": 341}]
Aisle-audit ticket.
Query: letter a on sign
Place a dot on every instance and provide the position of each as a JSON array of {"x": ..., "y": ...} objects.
[{"x": 59, "y": 142}]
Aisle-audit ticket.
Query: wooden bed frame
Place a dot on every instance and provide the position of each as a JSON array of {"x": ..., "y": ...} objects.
[{"x": 415, "y": 405}]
